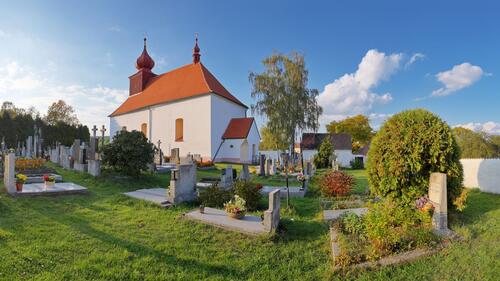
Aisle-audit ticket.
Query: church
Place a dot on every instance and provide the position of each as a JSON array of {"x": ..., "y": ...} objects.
[{"x": 189, "y": 109}]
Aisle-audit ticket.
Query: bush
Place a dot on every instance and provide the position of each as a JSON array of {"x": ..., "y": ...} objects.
[
  {"x": 390, "y": 228},
  {"x": 249, "y": 192},
  {"x": 336, "y": 183},
  {"x": 357, "y": 163},
  {"x": 352, "y": 224},
  {"x": 408, "y": 148},
  {"x": 129, "y": 153},
  {"x": 325, "y": 153},
  {"x": 215, "y": 197}
]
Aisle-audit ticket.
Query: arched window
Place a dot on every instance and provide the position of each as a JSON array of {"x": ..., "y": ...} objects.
[
  {"x": 179, "y": 129},
  {"x": 144, "y": 129}
]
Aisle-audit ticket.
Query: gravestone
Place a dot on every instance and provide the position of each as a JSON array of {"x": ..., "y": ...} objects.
[
  {"x": 80, "y": 163},
  {"x": 226, "y": 180},
  {"x": 93, "y": 149},
  {"x": 9, "y": 173},
  {"x": 269, "y": 162},
  {"x": 29, "y": 145},
  {"x": 75, "y": 152},
  {"x": 186, "y": 160},
  {"x": 245, "y": 173},
  {"x": 309, "y": 168},
  {"x": 262, "y": 162},
  {"x": 94, "y": 167},
  {"x": 175, "y": 155},
  {"x": 65, "y": 158},
  {"x": 197, "y": 157},
  {"x": 182, "y": 184},
  {"x": 438, "y": 198},
  {"x": 272, "y": 215},
  {"x": 273, "y": 168}
]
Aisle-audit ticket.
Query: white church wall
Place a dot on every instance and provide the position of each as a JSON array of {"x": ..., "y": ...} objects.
[
  {"x": 253, "y": 141},
  {"x": 132, "y": 121},
  {"x": 223, "y": 111},
  {"x": 195, "y": 113}
]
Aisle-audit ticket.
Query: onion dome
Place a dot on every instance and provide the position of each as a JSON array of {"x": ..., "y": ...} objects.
[
  {"x": 144, "y": 61},
  {"x": 196, "y": 52}
]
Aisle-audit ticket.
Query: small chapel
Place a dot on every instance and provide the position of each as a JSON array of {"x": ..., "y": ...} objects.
[{"x": 189, "y": 109}]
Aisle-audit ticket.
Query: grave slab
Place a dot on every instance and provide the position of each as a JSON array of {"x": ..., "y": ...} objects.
[
  {"x": 154, "y": 195},
  {"x": 249, "y": 224},
  {"x": 330, "y": 215},
  {"x": 60, "y": 188},
  {"x": 294, "y": 191}
]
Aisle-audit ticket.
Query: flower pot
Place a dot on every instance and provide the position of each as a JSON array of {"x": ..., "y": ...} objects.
[
  {"x": 237, "y": 216},
  {"x": 50, "y": 183},
  {"x": 19, "y": 186}
]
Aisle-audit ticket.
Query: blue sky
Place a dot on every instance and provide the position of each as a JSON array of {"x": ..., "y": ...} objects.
[{"x": 364, "y": 57}]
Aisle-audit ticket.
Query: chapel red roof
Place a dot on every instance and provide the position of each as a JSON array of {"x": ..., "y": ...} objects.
[
  {"x": 238, "y": 128},
  {"x": 185, "y": 82}
]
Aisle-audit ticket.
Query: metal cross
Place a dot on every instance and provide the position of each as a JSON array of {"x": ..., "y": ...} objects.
[{"x": 94, "y": 130}]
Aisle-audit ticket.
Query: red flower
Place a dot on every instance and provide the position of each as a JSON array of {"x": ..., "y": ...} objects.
[{"x": 45, "y": 177}]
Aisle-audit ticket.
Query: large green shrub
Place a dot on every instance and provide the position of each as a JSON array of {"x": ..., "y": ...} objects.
[
  {"x": 214, "y": 196},
  {"x": 249, "y": 192},
  {"x": 408, "y": 148},
  {"x": 129, "y": 153},
  {"x": 325, "y": 153}
]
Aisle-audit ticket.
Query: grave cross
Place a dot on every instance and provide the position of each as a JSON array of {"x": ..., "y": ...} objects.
[
  {"x": 103, "y": 130},
  {"x": 159, "y": 152},
  {"x": 94, "y": 130}
]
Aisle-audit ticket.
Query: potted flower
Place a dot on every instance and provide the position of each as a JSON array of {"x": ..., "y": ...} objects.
[
  {"x": 259, "y": 186},
  {"x": 49, "y": 180},
  {"x": 235, "y": 208},
  {"x": 20, "y": 180},
  {"x": 302, "y": 179}
]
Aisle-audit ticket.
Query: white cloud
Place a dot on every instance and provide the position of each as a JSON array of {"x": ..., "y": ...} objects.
[
  {"x": 115, "y": 28},
  {"x": 26, "y": 87},
  {"x": 414, "y": 58},
  {"x": 353, "y": 92},
  {"x": 457, "y": 78},
  {"x": 489, "y": 127}
]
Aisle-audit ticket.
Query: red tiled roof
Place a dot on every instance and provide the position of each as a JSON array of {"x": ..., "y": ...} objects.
[
  {"x": 339, "y": 141},
  {"x": 187, "y": 81},
  {"x": 238, "y": 128}
]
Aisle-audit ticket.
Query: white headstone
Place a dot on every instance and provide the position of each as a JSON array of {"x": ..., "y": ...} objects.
[
  {"x": 9, "y": 176},
  {"x": 438, "y": 198}
]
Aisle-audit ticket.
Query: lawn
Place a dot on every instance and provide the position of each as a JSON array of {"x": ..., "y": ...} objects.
[{"x": 108, "y": 236}]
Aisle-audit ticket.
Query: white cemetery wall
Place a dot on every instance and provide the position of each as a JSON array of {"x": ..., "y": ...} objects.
[{"x": 482, "y": 173}]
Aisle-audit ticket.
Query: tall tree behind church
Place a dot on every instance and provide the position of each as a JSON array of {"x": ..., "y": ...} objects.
[{"x": 283, "y": 97}]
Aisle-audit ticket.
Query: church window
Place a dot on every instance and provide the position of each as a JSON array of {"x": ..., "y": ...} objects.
[
  {"x": 144, "y": 129},
  {"x": 179, "y": 129}
]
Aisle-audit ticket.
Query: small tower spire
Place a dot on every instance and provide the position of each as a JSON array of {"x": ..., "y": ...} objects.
[
  {"x": 144, "y": 61},
  {"x": 196, "y": 51}
]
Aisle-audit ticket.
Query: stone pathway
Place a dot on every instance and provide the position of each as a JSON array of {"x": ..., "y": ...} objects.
[
  {"x": 249, "y": 224},
  {"x": 60, "y": 188},
  {"x": 330, "y": 215},
  {"x": 154, "y": 195}
]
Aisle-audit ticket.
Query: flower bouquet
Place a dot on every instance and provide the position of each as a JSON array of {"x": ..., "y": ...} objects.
[
  {"x": 301, "y": 177},
  {"x": 235, "y": 208},
  {"x": 20, "y": 180},
  {"x": 423, "y": 204},
  {"x": 49, "y": 180}
]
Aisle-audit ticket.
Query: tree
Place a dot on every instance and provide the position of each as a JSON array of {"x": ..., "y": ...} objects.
[
  {"x": 61, "y": 112},
  {"x": 473, "y": 144},
  {"x": 269, "y": 141},
  {"x": 283, "y": 97},
  {"x": 129, "y": 153},
  {"x": 325, "y": 153},
  {"x": 406, "y": 150},
  {"x": 357, "y": 126},
  {"x": 495, "y": 143}
]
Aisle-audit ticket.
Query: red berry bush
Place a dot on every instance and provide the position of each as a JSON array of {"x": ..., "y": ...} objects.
[{"x": 336, "y": 183}]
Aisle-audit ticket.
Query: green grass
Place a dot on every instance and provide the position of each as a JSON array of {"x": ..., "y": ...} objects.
[{"x": 108, "y": 236}]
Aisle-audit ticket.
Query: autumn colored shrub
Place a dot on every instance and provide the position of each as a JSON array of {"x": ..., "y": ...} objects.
[{"x": 336, "y": 183}]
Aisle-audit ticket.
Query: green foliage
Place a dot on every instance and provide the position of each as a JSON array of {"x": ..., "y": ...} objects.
[
  {"x": 249, "y": 192},
  {"x": 357, "y": 163},
  {"x": 270, "y": 141},
  {"x": 357, "y": 126},
  {"x": 408, "y": 148},
  {"x": 61, "y": 112},
  {"x": 336, "y": 183},
  {"x": 16, "y": 124},
  {"x": 283, "y": 97},
  {"x": 352, "y": 224},
  {"x": 129, "y": 153},
  {"x": 474, "y": 144},
  {"x": 391, "y": 228},
  {"x": 325, "y": 153},
  {"x": 215, "y": 197}
]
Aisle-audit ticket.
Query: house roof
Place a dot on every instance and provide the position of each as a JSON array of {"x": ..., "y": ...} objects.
[
  {"x": 340, "y": 141},
  {"x": 238, "y": 128},
  {"x": 184, "y": 82},
  {"x": 363, "y": 150}
]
